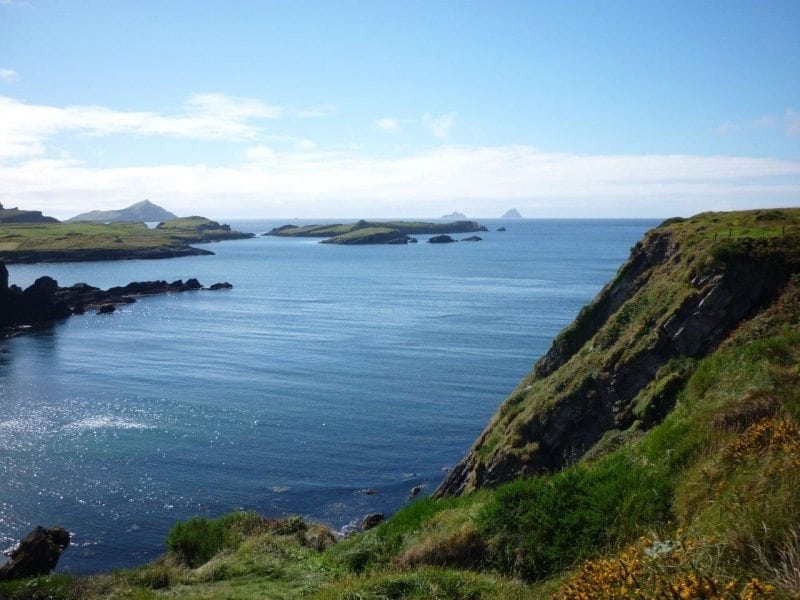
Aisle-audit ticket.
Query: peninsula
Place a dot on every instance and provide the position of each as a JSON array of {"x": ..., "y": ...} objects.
[
  {"x": 652, "y": 452},
  {"x": 82, "y": 241},
  {"x": 375, "y": 232}
]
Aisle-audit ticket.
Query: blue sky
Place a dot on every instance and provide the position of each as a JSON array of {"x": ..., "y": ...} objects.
[{"x": 378, "y": 109}]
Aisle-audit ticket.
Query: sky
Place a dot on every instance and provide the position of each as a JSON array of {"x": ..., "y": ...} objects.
[{"x": 373, "y": 109}]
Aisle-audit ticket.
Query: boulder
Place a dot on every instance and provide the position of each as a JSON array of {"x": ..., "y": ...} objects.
[
  {"x": 106, "y": 309},
  {"x": 501, "y": 229},
  {"x": 37, "y": 554},
  {"x": 220, "y": 286},
  {"x": 371, "y": 520},
  {"x": 414, "y": 492}
]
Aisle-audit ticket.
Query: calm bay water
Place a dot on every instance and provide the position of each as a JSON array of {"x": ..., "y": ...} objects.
[{"x": 326, "y": 371}]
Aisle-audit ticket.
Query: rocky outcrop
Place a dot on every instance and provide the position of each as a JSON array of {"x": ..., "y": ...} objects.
[
  {"x": 671, "y": 301},
  {"x": 472, "y": 238},
  {"x": 441, "y": 239},
  {"x": 371, "y": 521},
  {"x": 37, "y": 554},
  {"x": 45, "y": 301}
]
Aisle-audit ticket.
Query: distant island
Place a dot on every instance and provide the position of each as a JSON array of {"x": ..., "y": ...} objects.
[
  {"x": 144, "y": 211},
  {"x": 511, "y": 214},
  {"x": 374, "y": 232},
  {"x": 32, "y": 242},
  {"x": 454, "y": 215}
]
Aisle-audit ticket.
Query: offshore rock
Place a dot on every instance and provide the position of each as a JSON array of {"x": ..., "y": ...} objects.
[
  {"x": 441, "y": 239},
  {"x": 37, "y": 554}
]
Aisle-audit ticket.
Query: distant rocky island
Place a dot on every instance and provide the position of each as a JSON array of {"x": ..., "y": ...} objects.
[
  {"x": 454, "y": 215},
  {"x": 144, "y": 211},
  {"x": 511, "y": 214},
  {"x": 375, "y": 232}
]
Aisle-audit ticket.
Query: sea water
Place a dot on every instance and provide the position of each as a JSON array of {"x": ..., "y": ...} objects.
[{"x": 325, "y": 372}]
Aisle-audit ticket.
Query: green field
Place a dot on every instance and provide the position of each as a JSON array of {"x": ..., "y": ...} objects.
[{"x": 65, "y": 241}]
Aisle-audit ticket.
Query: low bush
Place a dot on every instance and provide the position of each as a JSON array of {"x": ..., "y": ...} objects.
[{"x": 197, "y": 540}]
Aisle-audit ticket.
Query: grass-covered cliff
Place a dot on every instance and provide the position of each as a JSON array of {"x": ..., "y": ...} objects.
[{"x": 654, "y": 452}]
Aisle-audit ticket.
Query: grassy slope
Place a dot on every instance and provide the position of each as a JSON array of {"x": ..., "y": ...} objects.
[
  {"x": 703, "y": 504},
  {"x": 67, "y": 237}
]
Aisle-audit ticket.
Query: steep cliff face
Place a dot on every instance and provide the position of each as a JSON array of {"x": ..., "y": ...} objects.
[{"x": 616, "y": 369}]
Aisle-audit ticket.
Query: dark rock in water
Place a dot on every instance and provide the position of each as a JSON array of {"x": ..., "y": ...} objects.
[
  {"x": 415, "y": 491},
  {"x": 398, "y": 240},
  {"x": 441, "y": 239},
  {"x": 44, "y": 301},
  {"x": 220, "y": 286},
  {"x": 501, "y": 229},
  {"x": 472, "y": 238},
  {"x": 370, "y": 492},
  {"x": 37, "y": 554},
  {"x": 371, "y": 520},
  {"x": 412, "y": 240}
]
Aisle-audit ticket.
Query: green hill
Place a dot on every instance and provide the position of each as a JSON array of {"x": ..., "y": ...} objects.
[
  {"x": 653, "y": 452},
  {"x": 144, "y": 212}
]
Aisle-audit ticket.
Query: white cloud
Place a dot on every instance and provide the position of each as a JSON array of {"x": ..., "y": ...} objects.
[
  {"x": 439, "y": 126},
  {"x": 387, "y": 124},
  {"x": 8, "y": 76},
  {"x": 25, "y": 128},
  {"x": 791, "y": 119},
  {"x": 479, "y": 181},
  {"x": 788, "y": 123}
]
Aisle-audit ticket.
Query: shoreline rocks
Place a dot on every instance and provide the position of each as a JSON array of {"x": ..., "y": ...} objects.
[
  {"x": 44, "y": 301},
  {"x": 37, "y": 553}
]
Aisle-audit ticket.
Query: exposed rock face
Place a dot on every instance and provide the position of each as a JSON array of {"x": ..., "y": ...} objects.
[
  {"x": 37, "y": 554},
  {"x": 371, "y": 520},
  {"x": 664, "y": 304}
]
